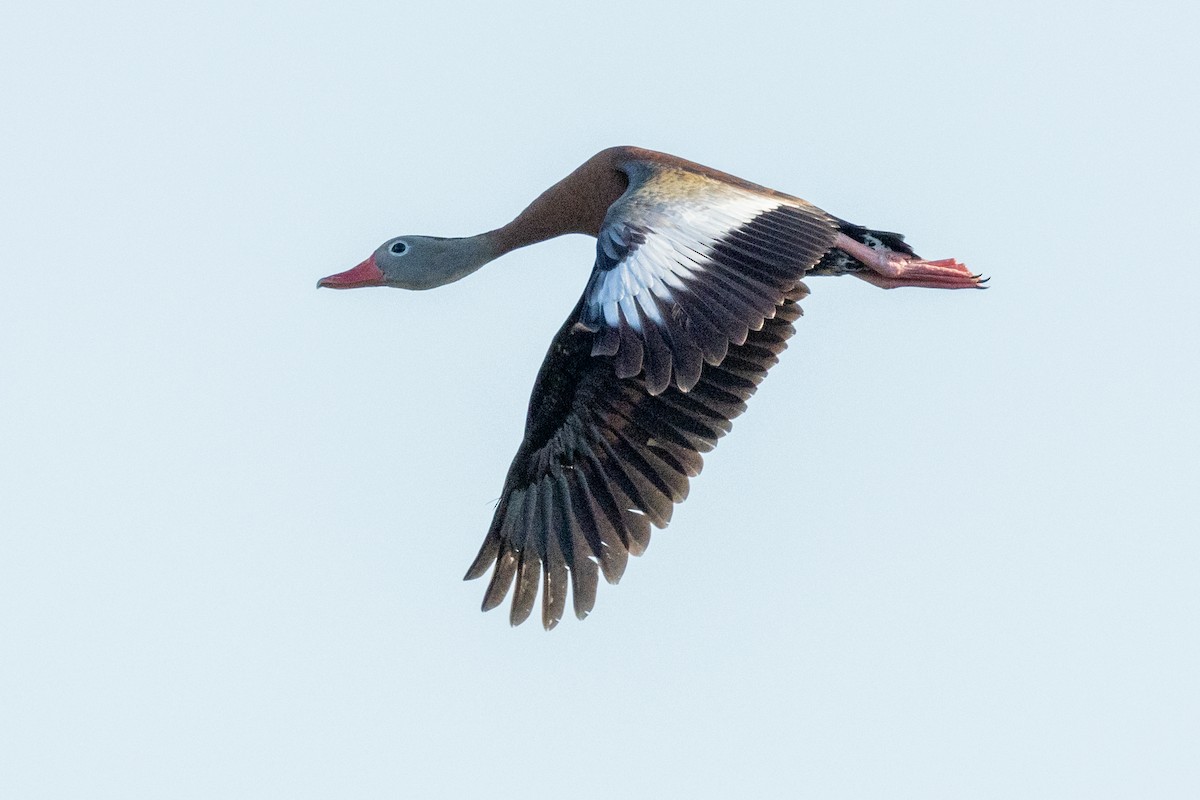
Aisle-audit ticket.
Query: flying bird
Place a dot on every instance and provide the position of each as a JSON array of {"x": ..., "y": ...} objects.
[{"x": 690, "y": 301}]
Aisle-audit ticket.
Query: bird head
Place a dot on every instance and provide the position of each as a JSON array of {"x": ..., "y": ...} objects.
[
  {"x": 416, "y": 262},
  {"x": 406, "y": 262}
]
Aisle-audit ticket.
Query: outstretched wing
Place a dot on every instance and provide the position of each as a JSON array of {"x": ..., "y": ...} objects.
[
  {"x": 604, "y": 458},
  {"x": 687, "y": 266}
]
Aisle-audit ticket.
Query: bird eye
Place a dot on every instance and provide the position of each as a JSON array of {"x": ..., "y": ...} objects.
[{"x": 399, "y": 248}]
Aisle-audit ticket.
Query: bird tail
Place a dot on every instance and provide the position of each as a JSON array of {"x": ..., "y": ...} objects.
[{"x": 839, "y": 262}]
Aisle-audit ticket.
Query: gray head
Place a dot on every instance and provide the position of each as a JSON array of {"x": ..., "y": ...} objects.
[{"x": 416, "y": 262}]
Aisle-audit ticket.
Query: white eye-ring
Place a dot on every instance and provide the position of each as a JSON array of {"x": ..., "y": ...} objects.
[{"x": 398, "y": 248}]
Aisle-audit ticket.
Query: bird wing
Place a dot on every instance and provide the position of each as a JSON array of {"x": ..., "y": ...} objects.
[
  {"x": 604, "y": 458},
  {"x": 687, "y": 265}
]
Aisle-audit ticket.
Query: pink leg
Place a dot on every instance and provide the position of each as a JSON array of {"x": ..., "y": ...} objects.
[{"x": 891, "y": 269}]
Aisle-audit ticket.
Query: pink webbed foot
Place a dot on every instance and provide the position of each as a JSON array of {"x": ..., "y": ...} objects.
[{"x": 890, "y": 269}]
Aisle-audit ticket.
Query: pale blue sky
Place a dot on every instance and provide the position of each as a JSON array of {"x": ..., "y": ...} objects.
[{"x": 950, "y": 551}]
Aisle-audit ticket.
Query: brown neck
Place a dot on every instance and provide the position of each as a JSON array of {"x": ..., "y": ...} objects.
[{"x": 576, "y": 204}]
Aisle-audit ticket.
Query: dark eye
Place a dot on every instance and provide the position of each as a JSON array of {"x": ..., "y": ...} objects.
[{"x": 399, "y": 248}]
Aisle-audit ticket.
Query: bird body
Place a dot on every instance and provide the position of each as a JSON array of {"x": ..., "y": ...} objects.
[{"x": 690, "y": 301}]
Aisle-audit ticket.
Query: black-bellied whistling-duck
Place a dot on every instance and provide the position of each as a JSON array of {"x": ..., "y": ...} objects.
[{"x": 690, "y": 301}]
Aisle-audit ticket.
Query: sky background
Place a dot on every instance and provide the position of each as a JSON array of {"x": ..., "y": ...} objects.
[{"x": 950, "y": 551}]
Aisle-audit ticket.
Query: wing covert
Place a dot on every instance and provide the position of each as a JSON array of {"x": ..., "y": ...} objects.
[{"x": 686, "y": 267}]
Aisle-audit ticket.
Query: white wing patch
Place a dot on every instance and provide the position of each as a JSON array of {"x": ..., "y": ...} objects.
[
  {"x": 677, "y": 247},
  {"x": 682, "y": 275}
]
